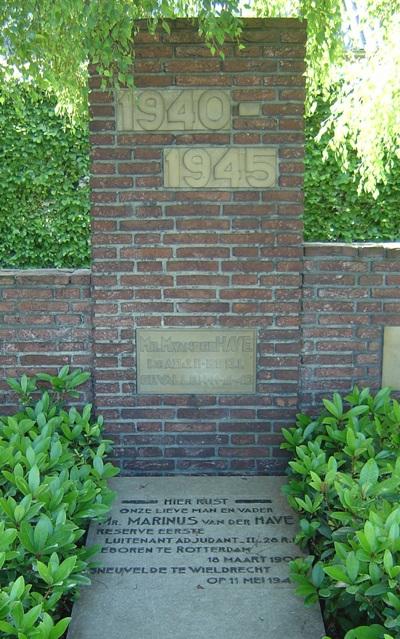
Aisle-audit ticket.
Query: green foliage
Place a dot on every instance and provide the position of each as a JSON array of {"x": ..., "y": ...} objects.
[
  {"x": 44, "y": 216},
  {"x": 53, "y": 480},
  {"x": 51, "y": 41},
  {"x": 345, "y": 481},
  {"x": 364, "y": 115},
  {"x": 334, "y": 209}
]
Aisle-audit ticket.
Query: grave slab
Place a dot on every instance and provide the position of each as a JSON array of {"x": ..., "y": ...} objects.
[{"x": 199, "y": 557}]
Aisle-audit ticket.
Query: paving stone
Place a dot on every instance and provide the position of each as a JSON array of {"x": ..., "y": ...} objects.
[{"x": 195, "y": 557}]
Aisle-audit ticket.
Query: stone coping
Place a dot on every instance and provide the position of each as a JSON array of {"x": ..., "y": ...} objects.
[{"x": 311, "y": 249}]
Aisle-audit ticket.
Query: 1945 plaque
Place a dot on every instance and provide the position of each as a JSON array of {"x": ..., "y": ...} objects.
[{"x": 199, "y": 361}]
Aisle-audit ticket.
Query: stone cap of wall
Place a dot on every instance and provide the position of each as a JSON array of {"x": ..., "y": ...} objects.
[
  {"x": 355, "y": 249},
  {"x": 46, "y": 276}
]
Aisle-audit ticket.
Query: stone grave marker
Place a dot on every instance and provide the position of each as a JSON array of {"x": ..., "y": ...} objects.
[{"x": 195, "y": 557}]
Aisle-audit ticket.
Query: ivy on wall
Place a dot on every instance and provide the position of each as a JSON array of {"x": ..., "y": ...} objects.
[
  {"x": 334, "y": 211},
  {"x": 44, "y": 191}
]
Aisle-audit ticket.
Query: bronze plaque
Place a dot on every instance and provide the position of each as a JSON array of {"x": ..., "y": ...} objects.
[
  {"x": 391, "y": 357},
  {"x": 196, "y": 361}
]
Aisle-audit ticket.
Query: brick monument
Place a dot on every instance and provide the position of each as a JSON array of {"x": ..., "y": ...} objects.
[{"x": 197, "y": 205}]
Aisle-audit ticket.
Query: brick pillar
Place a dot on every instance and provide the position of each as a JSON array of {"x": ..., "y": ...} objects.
[{"x": 201, "y": 254}]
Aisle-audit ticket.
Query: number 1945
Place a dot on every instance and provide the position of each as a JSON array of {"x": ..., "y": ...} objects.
[{"x": 220, "y": 167}]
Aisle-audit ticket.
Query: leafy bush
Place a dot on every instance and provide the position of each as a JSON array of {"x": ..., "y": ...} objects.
[
  {"x": 44, "y": 217},
  {"x": 53, "y": 481},
  {"x": 334, "y": 211},
  {"x": 345, "y": 481}
]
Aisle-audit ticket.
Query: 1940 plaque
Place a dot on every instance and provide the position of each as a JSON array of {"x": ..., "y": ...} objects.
[
  {"x": 199, "y": 361},
  {"x": 173, "y": 110},
  {"x": 195, "y": 558}
]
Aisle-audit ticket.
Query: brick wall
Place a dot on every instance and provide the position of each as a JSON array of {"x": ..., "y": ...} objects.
[
  {"x": 200, "y": 258},
  {"x": 45, "y": 323},
  {"x": 350, "y": 292}
]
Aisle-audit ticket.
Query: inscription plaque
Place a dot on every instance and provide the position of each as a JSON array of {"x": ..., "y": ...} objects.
[
  {"x": 201, "y": 557},
  {"x": 391, "y": 357},
  {"x": 199, "y": 360},
  {"x": 220, "y": 167},
  {"x": 173, "y": 110}
]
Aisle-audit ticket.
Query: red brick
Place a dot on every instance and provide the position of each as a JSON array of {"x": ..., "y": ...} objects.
[
  {"x": 292, "y": 66},
  {"x": 255, "y": 123},
  {"x": 190, "y": 265},
  {"x": 247, "y": 80},
  {"x": 146, "y": 253},
  {"x": 202, "y": 280},
  {"x": 135, "y": 168},
  {"x": 101, "y": 110},
  {"x": 202, "y": 252},
  {"x": 146, "y": 154},
  {"x": 291, "y": 124},
  {"x": 249, "y": 51},
  {"x": 154, "y": 51},
  {"x": 294, "y": 36},
  {"x": 202, "y": 138},
  {"x": 193, "y": 52},
  {"x": 284, "y": 52},
  {"x": 281, "y": 137},
  {"x": 259, "y": 65},
  {"x": 246, "y": 138},
  {"x": 111, "y": 183},
  {"x": 101, "y": 138},
  {"x": 118, "y": 153},
  {"x": 254, "y": 95},
  {"x": 195, "y": 66},
  {"x": 145, "y": 139},
  {"x": 284, "y": 80},
  {"x": 149, "y": 181},
  {"x": 101, "y": 97},
  {"x": 213, "y": 80},
  {"x": 250, "y": 451},
  {"x": 103, "y": 168},
  {"x": 202, "y": 224},
  {"x": 102, "y": 125}
]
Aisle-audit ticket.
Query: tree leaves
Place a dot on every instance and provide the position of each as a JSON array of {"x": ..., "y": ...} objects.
[
  {"x": 334, "y": 209},
  {"x": 363, "y": 127}
]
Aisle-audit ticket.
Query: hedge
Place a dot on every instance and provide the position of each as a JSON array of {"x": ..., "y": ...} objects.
[
  {"x": 44, "y": 215},
  {"x": 334, "y": 211}
]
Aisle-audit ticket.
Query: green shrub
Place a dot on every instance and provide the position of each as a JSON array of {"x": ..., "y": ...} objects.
[
  {"x": 53, "y": 481},
  {"x": 44, "y": 184},
  {"x": 333, "y": 209},
  {"x": 345, "y": 481}
]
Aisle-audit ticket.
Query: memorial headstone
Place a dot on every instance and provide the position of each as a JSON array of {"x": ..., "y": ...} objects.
[{"x": 199, "y": 557}]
